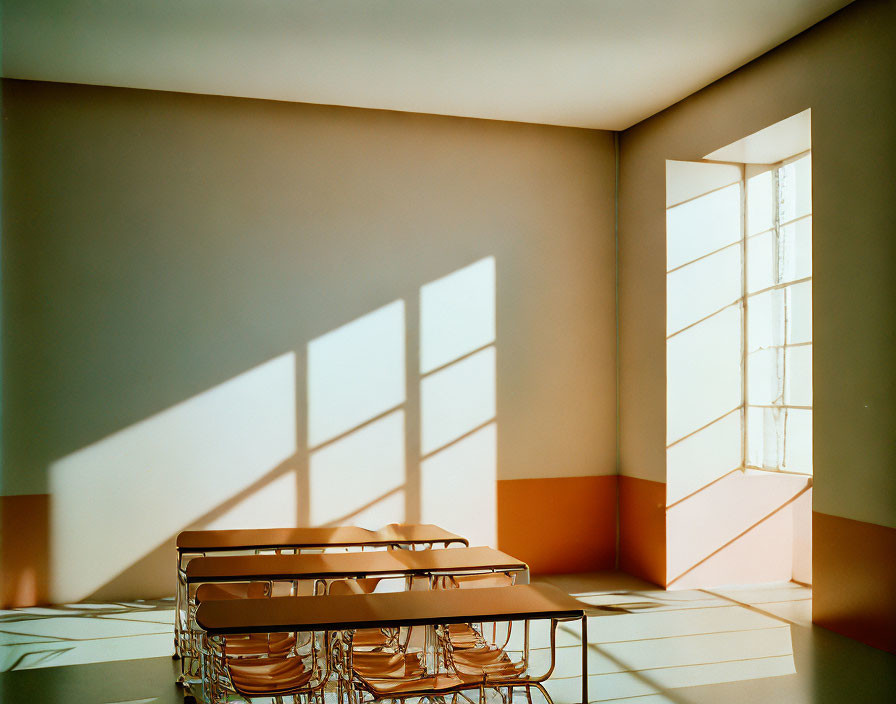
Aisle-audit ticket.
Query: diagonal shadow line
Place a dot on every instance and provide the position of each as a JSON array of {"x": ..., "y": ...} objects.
[
  {"x": 465, "y": 355},
  {"x": 741, "y": 535},
  {"x": 706, "y": 256},
  {"x": 750, "y": 607},
  {"x": 72, "y": 611},
  {"x": 278, "y": 471},
  {"x": 341, "y": 436},
  {"x": 704, "y": 427},
  {"x": 703, "y": 488},
  {"x": 456, "y": 440},
  {"x": 48, "y": 653},
  {"x": 704, "y": 319},
  {"x": 627, "y": 669},
  {"x": 54, "y": 639},
  {"x": 710, "y": 191},
  {"x": 369, "y": 504}
]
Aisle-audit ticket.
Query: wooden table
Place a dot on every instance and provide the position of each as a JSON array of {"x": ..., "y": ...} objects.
[
  {"x": 337, "y": 613},
  {"x": 347, "y": 565},
  {"x": 205, "y": 541},
  {"x": 193, "y": 543}
]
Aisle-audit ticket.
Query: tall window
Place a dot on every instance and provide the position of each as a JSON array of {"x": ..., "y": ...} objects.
[
  {"x": 739, "y": 320},
  {"x": 778, "y": 316}
]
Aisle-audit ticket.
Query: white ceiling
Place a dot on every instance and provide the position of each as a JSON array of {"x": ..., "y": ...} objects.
[{"x": 599, "y": 63}]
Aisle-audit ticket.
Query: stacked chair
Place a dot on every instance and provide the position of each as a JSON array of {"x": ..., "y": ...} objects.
[{"x": 284, "y": 666}]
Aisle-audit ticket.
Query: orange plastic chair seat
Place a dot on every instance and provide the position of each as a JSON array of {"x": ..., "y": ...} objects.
[
  {"x": 424, "y": 685},
  {"x": 268, "y": 675},
  {"x": 256, "y": 644},
  {"x": 387, "y": 665},
  {"x": 490, "y": 662},
  {"x": 369, "y": 638}
]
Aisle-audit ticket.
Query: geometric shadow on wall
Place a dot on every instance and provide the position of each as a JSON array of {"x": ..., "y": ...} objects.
[{"x": 229, "y": 457}]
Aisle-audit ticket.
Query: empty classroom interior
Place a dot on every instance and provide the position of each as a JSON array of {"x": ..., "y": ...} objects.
[{"x": 226, "y": 312}]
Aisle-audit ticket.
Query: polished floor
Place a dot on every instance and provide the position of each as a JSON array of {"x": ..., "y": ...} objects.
[{"x": 646, "y": 646}]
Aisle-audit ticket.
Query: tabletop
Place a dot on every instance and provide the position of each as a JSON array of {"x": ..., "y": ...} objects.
[
  {"x": 313, "y": 537},
  {"x": 349, "y": 564},
  {"x": 409, "y": 608}
]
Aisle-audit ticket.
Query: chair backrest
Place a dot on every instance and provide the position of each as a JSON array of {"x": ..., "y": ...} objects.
[
  {"x": 220, "y": 592},
  {"x": 352, "y": 586}
]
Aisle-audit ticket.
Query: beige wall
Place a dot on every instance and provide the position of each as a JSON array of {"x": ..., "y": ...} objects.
[
  {"x": 843, "y": 70},
  {"x": 158, "y": 245}
]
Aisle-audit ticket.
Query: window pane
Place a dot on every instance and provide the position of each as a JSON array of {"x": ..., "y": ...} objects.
[
  {"x": 765, "y": 437},
  {"x": 760, "y": 203},
  {"x": 799, "y": 376},
  {"x": 765, "y": 376},
  {"x": 761, "y": 262},
  {"x": 765, "y": 320},
  {"x": 702, "y": 288},
  {"x": 799, "y": 312},
  {"x": 703, "y": 225},
  {"x": 797, "y": 251},
  {"x": 798, "y": 453},
  {"x": 795, "y": 189}
]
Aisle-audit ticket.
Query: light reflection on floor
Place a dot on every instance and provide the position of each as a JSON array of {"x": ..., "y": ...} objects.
[
  {"x": 646, "y": 642},
  {"x": 79, "y": 634}
]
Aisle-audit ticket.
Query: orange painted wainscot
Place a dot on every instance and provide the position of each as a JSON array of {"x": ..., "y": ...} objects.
[
  {"x": 854, "y": 579},
  {"x": 24, "y": 550},
  {"x": 642, "y": 529},
  {"x": 560, "y": 524}
]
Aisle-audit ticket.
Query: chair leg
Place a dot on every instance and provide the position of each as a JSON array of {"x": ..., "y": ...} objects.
[{"x": 547, "y": 696}]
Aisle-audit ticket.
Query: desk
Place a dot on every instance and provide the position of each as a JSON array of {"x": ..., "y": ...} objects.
[
  {"x": 205, "y": 541},
  {"x": 193, "y": 543},
  {"x": 346, "y": 565},
  {"x": 356, "y": 611}
]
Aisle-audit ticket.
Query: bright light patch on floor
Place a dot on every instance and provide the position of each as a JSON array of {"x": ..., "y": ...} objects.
[{"x": 68, "y": 635}]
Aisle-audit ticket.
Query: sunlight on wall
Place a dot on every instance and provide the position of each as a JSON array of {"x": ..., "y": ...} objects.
[
  {"x": 703, "y": 457},
  {"x": 703, "y": 373},
  {"x": 458, "y": 487},
  {"x": 457, "y": 314},
  {"x": 271, "y": 506},
  {"x": 457, "y": 399},
  {"x": 736, "y": 531},
  {"x": 359, "y": 479},
  {"x": 219, "y": 459},
  {"x": 105, "y": 499},
  {"x": 356, "y": 373},
  {"x": 458, "y": 403}
]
